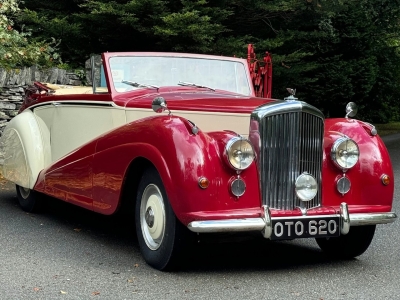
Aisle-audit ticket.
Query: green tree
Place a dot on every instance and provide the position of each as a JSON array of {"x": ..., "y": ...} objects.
[
  {"x": 86, "y": 27},
  {"x": 332, "y": 51},
  {"x": 58, "y": 19},
  {"x": 17, "y": 49},
  {"x": 194, "y": 27},
  {"x": 356, "y": 60}
]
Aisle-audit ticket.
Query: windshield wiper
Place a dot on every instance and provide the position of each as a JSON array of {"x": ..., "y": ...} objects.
[
  {"x": 183, "y": 83},
  {"x": 137, "y": 84}
]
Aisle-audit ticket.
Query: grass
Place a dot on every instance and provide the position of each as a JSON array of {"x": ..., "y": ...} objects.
[{"x": 389, "y": 128}]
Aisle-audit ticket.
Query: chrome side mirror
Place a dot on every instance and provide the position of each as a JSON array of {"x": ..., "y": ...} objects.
[
  {"x": 351, "y": 109},
  {"x": 159, "y": 105}
]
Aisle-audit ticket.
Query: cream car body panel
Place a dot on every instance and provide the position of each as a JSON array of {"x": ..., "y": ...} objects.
[
  {"x": 206, "y": 121},
  {"x": 45, "y": 141},
  {"x": 24, "y": 149},
  {"x": 77, "y": 124}
]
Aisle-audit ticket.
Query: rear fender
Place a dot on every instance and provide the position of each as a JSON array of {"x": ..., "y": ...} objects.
[{"x": 24, "y": 149}]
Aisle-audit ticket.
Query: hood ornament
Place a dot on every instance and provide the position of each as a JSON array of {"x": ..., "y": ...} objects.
[{"x": 292, "y": 92}]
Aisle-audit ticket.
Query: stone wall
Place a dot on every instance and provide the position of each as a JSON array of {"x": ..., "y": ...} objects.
[{"x": 13, "y": 82}]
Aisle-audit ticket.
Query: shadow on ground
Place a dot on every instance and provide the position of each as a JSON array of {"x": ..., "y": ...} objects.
[{"x": 212, "y": 252}]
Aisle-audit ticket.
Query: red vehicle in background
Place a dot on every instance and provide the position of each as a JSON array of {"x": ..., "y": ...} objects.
[{"x": 195, "y": 143}]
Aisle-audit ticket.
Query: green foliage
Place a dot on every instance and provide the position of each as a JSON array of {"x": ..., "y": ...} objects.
[
  {"x": 17, "y": 49},
  {"x": 388, "y": 128},
  {"x": 193, "y": 28},
  {"x": 82, "y": 76},
  {"x": 331, "y": 51}
]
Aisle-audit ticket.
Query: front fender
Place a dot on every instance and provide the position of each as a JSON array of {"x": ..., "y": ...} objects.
[
  {"x": 181, "y": 158},
  {"x": 365, "y": 177},
  {"x": 24, "y": 149}
]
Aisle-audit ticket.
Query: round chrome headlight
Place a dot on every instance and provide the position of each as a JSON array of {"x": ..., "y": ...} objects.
[
  {"x": 239, "y": 153},
  {"x": 345, "y": 153},
  {"x": 306, "y": 187}
]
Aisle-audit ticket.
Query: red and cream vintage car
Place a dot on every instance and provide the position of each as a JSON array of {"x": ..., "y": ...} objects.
[{"x": 195, "y": 144}]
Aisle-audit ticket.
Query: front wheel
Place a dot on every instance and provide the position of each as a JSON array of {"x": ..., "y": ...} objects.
[
  {"x": 28, "y": 199},
  {"x": 160, "y": 234},
  {"x": 353, "y": 244}
]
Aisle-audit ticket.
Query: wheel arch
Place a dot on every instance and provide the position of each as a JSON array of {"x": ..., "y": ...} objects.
[
  {"x": 161, "y": 142},
  {"x": 180, "y": 157},
  {"x": 24, "y": 149},
  {"x": 131, "y": 181}
]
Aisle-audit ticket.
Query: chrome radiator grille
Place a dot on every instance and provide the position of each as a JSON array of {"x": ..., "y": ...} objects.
[{"x": 291, "y": 143}]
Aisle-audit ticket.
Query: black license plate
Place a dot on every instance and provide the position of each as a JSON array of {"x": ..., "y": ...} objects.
[{"x": 305, "y": 227}]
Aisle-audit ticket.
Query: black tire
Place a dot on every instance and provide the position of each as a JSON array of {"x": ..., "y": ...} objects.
[
  {"x": 353, "y": 244},
  {"x": 160, "y": 234},
  {"x": 28, "y": 199}
]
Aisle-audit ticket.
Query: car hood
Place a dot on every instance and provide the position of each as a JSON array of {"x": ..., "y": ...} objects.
[{"x": 193, "y": 100}]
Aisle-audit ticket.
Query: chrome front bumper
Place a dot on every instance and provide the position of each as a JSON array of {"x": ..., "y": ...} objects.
[{"x": 264, "y": 225}]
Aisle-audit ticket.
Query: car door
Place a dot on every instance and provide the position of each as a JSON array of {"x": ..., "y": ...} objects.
[{"x": 72, "y": 126}]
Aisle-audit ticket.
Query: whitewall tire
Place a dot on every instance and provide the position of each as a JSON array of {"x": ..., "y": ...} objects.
[
  {"x": 161, "y": 236},
  {"x": 28, "y": 199}
]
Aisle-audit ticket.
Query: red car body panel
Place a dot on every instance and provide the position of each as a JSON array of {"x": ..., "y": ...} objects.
[
  {"x": 367, "y": 188},
  {"x": 93, "y": 176}
]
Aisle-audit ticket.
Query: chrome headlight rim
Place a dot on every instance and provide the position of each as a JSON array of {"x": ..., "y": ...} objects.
[
  {"x": 334, "y": 153},
  {"x": 228, "y": 153}
]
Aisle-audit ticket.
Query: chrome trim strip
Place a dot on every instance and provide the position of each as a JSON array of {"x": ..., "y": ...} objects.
[
  {"x": 267, "y": 230},
  {"x": 265, "y": 224},
  {"x": 229, "y": 225},
  {"x": 345, "y": 219},
  {"x": 279, "y": 107},
  {"x": 372, "y": 219},
  {"x": 93, "y": 69},
  {"x": 74, "y": 103},
  {"x": 306, "y": 217}
]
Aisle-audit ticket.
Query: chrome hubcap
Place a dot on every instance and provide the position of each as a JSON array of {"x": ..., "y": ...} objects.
[
  {"x": 24, "y": 192},
  {"x": 149, "y": 217},
  {"x": 152, "y": 216}
]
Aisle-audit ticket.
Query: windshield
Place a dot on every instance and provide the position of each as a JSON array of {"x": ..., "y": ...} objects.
[{"x": 134, "y": 72}]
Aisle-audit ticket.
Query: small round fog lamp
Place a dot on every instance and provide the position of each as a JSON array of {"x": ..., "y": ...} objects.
[
  {"x": 238, "y": 187},
  {"x": 306, "y": 187},
  {"x": 343, "y": 185}
]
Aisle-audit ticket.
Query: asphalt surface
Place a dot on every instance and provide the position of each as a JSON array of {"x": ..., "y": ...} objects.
[{"x": 69, "y": 253}]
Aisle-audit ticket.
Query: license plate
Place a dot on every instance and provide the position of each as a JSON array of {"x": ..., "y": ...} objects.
[{"x": 305, "y": 227}]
